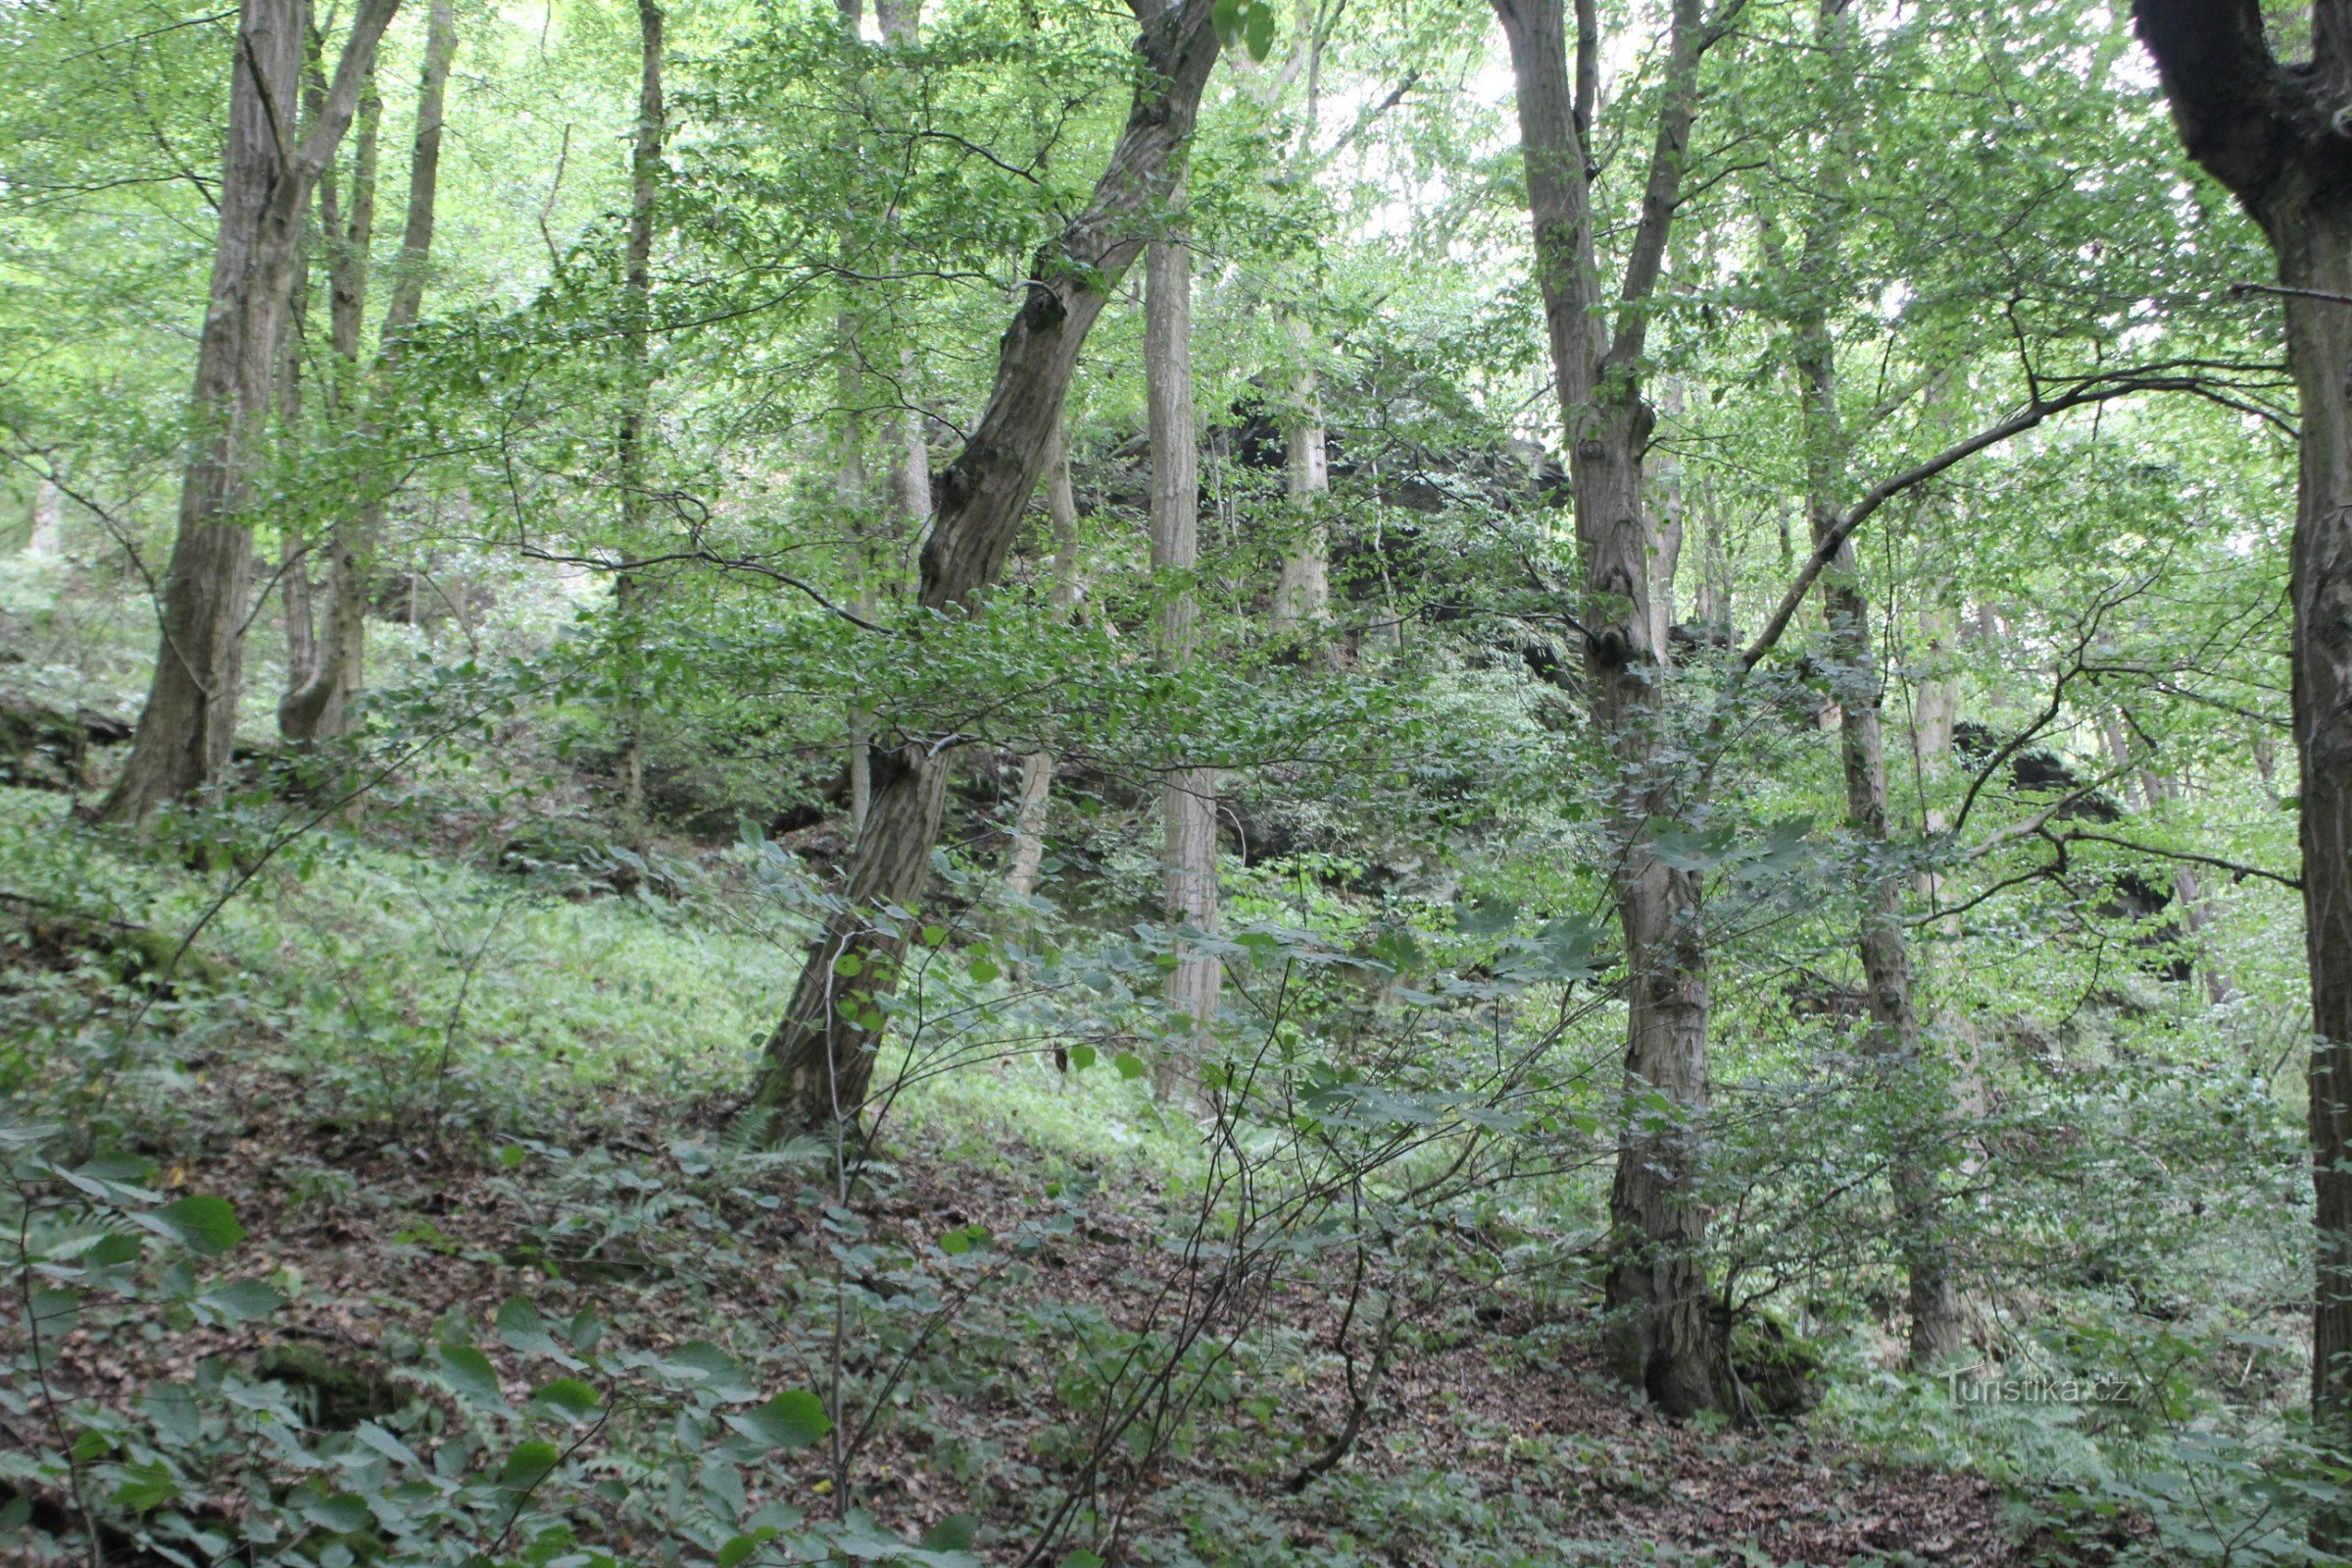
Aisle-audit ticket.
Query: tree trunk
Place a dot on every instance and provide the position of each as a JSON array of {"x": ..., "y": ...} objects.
[
  {"x": 2271, "y": 134},
  {"x": 189, "y": 724},
  {"x": 294, "y": 550},
  {"x": 1037, "y": 768},
  {"x": 1937, "y": 1331},
  {"x": 636, "y": 500},
  {"x": 1663, "y": 1336},
  {"x": 1666, "y": 530},
  {"x": 1302, "y": 595},
  {"x": 820, "y": 1056},
  {"x": 1188, "y": 795},
  {"x": 48, "y": 519},
  {"x": 294, "y": 589},
  {"x": 321, "y": 707}
]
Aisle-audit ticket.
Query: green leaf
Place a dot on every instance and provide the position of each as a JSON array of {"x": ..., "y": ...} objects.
[
  {"x": 712, "y": 1368},
  {"x": 243, "y": 1301},
  {"x": 1485, "y": 917},
  {"x": 793, "y": 1419},
  {"x": 55, "y": 1314},
  {"x": 528, "y": 1465},
  {"x": 736, "y": 1549},
  {"x": 1082, "y": 1056},
  {"x": 568, "y": 1397},
  {"x": 469, "y": 1372},
  {"x": 521, "y": 1328},
  {"x": 849, "y": 965},
  {"x": 111, "y": 1251},
  {"x": 205, "y": 1226},
  {"x": 1258, "y": 32},
  {"x": 956, "y": 1532},
  {"x": 145, "y": 1486},
  {"x": 984, "y": 969},
  {"x": 513, "y": 1156},
  {"x": 934, "y": 934},
  {"x": 341, "y": 1513},
  {"x": 1082, "y": 1558},
  {"x": 1130, "y": 1064}
]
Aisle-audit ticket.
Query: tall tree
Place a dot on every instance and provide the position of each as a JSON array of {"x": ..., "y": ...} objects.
[
  {"x": 189, "y": 724},
  {"x": 820, "y": 1054},
  {"x": 1188, "y": 798},
  {"x": 2273, "y": 134},
  {"x": 1664, "y": 1339},
  {"x": 319, "y": 706},
  {"x": 636, "y": 414},
  {"x": 1936, "y": 1329}
]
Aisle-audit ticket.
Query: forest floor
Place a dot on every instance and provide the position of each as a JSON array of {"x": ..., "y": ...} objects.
[{"x": 1491, "y": 1437}]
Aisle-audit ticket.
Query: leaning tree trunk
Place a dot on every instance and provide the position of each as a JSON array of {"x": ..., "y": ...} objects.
[
  {"x": 820, "y": 1057},
  {"x": 1188, "y": 794},
  {"x": 2273, "y": 134},
  {"x": 190, "y": 721},
  {"x": 321, "y": 707},
  {"x": 1664, "y": 1337}
]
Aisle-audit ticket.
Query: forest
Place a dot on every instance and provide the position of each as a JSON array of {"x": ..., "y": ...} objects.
[{"x": 1207, "y": 784}]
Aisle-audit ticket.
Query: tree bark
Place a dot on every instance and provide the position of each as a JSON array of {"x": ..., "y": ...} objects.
[
  {"x": 1664, "y": 1337},
  {"x": 1302, "y": 594},
  {"x": 1188, "y": 795},
  {"x": 2271, "y": 134},
  {"x": 321, "y": 707},
  {"x": 636, "y": 500},
  {"x": 190, "y": 721},
  {"x": 1666, "y": 528},
  {"x": 1938, "y": 1330},
  {"x": 294, "y": 588},
  {"x": 1037, "y": 768},
  {"x": 48, "y": 519},
  {"x": 820, "y": 1057}
]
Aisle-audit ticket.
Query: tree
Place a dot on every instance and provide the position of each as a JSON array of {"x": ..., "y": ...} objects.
[
  {"x": 636, "y": 414},
  {"x": 1188, "y": 795},
  {"x": 2273, "y": 134},
  {"x": 317, "y": 706},
  {"x": 820, "y": 1054},
  {"x": 1937, "y": 1331},
  {"x": 1665, "y": 1340},
  {"x": 190, "y": 720}
]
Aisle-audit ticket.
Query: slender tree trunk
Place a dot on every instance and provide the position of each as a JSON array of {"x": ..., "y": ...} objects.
[
  {"x": 294, "y": 548},
  {"x": 636, "y": 500},
  {"x": 1188, "y": 795},
  {"x": 190, "y": 721},
  {"x": 48, "y": 519},
  {"x": 294, "y": 590},
  {"x": 1937, "y": 1331},
  {"x": 321, "y": 707},
  {"x": 1302, "y": 595},
  {"x": 1666, "y": 529},
  {"x": 1664, "y": 1335},
  {"x": 849, "y": 494},
  {"x": 821, "y": 1053},
  {"x": 1037, "y": 768},
  {"x": 2272, "y": 133}
]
